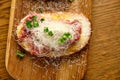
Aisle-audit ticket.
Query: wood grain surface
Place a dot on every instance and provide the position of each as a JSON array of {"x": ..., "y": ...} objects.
[
  {"x": 70, "y": 67},
  {"x": 104, "y": 52},
  {"x": 4, "y": 22}
]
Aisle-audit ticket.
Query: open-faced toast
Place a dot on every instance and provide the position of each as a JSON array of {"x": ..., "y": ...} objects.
[{"x": 70, "y": 32}]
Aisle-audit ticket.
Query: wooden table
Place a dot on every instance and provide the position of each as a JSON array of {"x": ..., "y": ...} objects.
[{"x": 103, "y": 62}]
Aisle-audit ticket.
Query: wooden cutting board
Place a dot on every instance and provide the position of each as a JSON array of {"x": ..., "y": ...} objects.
[{"x": 71, "y": 67}]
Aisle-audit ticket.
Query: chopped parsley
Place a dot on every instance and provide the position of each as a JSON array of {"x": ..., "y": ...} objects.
[
  {"x": 34, "y": 17},
  {"x": 20, "y": 54},
  {"x": 50, "y": 33},
  {"x": 29, "y": 24},
  {"x": 67, "y": 35},
  {"x": 64, "y": 38},
  {"x": 46, "y": 29},
  {"x": 32, "y": 23},
  {"x": 35, "y": 24},
  {"x": 61, "y": 40}
]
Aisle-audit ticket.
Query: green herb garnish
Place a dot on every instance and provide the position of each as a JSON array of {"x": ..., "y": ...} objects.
[
  {"x": 46, "y": 29},
  {"x": 34, "y": 18},
  {"x": 20, "y": 54},
  {"x": 64, "y": 38},
  {"x": 61, "y": 40},
  {"x": 32, "y": 23},
  {"x": 42, "y": 19},
  {"x": 67, "y": 35},
  {"x": 40, "y": 10},
  {"x": 28, "y": 23},
  {"x": 50, "y": 33},
  {"x": 35, "y": 24}
]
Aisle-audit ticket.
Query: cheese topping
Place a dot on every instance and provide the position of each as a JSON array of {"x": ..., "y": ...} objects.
[
  {"x": 38, "y": 41},
  {"x": 57, "y": 27}
]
